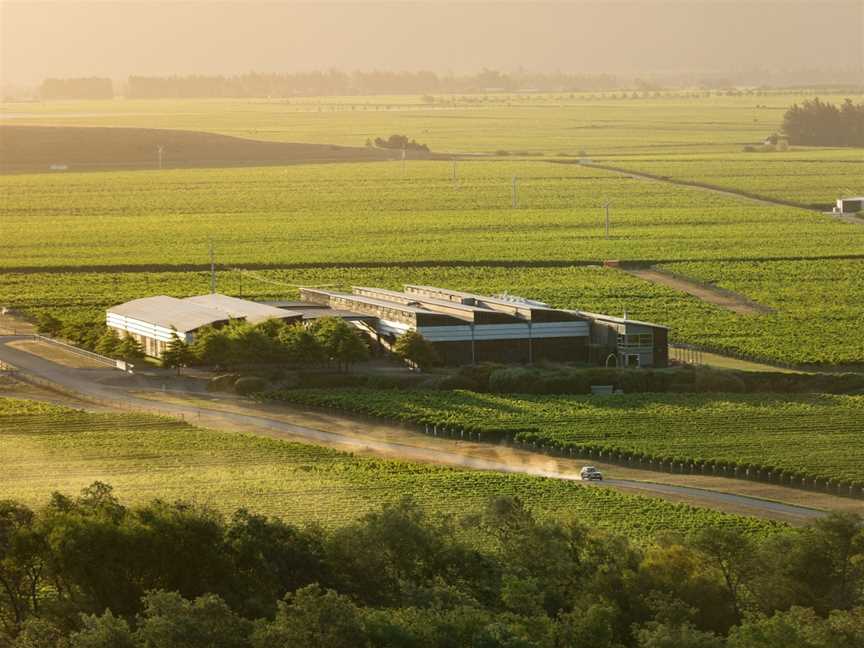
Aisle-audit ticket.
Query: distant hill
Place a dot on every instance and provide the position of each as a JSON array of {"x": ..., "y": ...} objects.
[{"x": 34, "y": 148}]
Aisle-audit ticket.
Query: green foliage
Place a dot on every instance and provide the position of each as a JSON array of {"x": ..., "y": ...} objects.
[
  {"x": 819, "y": 123},
  {"x": 178, "y": 354},
  {"x": 315, "y": 618},
  {"x": 108, "y": 343},
  {"x": 129, "y": 349},
  {"x": 414, "y": 348},
  {"x": 301, "y": 346},
  {"x": 341, "y": 342},
  {"x": 250, "y": 385}
]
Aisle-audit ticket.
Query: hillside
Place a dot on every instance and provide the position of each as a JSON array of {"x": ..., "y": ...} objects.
[{"x": 35, "y": 148}]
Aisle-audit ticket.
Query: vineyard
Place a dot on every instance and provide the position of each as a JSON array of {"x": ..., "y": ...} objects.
[
  {"x": 46, "y": 448},
  {"x": 805, "y": 327},
  {"x": 602, "y": 124},
  {"x": 339, "y": 214},
  {"x": 811, "y": 178},
  {"x": 74, "y": 243},
  {"x": 821, "y": 437}
]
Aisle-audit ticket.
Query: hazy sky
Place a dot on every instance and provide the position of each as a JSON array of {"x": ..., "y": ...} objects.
[{"x": 123, "y": 37}]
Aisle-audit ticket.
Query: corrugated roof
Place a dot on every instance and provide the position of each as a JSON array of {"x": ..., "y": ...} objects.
[
  {"x": 252, "y": 312},
  {"x": 170, "y": 312}
]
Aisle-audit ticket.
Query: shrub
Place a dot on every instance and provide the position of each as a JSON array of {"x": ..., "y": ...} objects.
[{"x": 250, "y": 385}]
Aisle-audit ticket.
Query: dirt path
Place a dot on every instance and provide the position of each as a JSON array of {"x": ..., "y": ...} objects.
[
  {"x": 641, "y": 175},
  {"x": 711, "y": 294},
  {"x": 389, "y": 440}
]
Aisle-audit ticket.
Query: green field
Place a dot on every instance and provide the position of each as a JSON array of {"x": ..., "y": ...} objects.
[
  {"x": 809, "y": 177},
  {"x": 45, "y": 448},
  {"x": 77, "y": 242},
  {"x": 818, "y": 435},
  {"x": 685, "y": 122}
]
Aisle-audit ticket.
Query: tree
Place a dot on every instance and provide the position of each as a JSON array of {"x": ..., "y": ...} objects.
[
  {"x": 211, "y": 346},
  {"x": 106, "y": 631},
  {"x": 129, "y": 349},
  {"x": 414, "y": 348},
  {"x": 341, "y": 341},
  {"x": 108, "y": 343},
  {"x": 313, "y": 618},
  {"x": 300, "y": 345},
  {"x": 818, "y": 123},
  {"x": 47, "y": 324},
  {"x": 178, "y": 354},
  {"x": 170, "y": 621},
  {"x": 659, "y": 635},
  {"x": 22, "y": 565}
]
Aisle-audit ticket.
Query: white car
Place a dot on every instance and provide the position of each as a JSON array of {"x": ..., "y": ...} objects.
[{"x": 590, "y": 473}]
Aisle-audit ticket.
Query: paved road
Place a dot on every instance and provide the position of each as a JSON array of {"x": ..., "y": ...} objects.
[{"x": 91, "y": 384}]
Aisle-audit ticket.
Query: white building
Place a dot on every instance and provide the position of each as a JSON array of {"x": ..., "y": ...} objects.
[
  {"x": 153, "y": 321},
  {"x": 850, "y": 205}
]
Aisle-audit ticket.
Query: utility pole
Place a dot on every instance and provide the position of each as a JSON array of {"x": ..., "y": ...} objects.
[
  {"x": 404, "y": 165},
  {"x": 606, "y": 207},
  {"x": 160, "y": 150},
  {"x": 453, "y": 174},
  {"x": 515, "y": 196},
  {"x": 212, "y": 269}
]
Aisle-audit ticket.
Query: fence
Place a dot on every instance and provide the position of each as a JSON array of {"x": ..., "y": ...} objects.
[{"x": 95, "y": 357}]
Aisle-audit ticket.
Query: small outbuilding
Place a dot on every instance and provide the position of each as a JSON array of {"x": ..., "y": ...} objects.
[
  {"x": 153, "y": 321},
  {"x": 850, "y": 205}
]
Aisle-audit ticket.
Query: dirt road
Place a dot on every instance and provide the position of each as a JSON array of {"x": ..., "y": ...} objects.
[{"x": 107, "y": 387}]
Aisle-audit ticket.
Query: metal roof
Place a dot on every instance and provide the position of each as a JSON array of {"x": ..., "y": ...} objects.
[
  {"x": 170, "y": 312},
  {"x": 252, "y": 312},
  {"x": 617, "y": 320}
]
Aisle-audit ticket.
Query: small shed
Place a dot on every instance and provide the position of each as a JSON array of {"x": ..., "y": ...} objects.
[{"x": 849, "y": 205}]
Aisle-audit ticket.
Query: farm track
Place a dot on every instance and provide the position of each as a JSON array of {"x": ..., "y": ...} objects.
[
  {"x": 711, "y": 294},
  {"x": 110, "y": 388},
  {"x": 725, "y": 191}
]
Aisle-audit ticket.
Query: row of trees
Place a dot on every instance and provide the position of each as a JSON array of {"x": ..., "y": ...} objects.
[
  {"x": 335, "y": 82},
  {"x": 89, "y": 88},
  {"x": 89, "y": 572},
  {"x": 819, "y": 123},
  {"x": 328, "y": 340}
]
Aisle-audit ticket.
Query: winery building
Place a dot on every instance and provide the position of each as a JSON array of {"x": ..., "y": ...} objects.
[
  {"x": 153, "y": 321},
  {"x": 467, "y": 328}
]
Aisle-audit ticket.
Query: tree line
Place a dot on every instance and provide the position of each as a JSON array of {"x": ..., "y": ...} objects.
[
  {"x": 335, "y": 82},
  {"x": 84, "y": 88},
  {"x": 819, "y": 123},
  {"x": 90, "y": 572},
  {"x": 238, "y": 344}
]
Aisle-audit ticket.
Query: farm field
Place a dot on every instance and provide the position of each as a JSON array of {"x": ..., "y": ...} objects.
[
  {"x": 818, "y": 435},
  {"x": 73, "y": 243},
  {"x": 805, "y": 327},
  {"x": 811, "y": 178},
  {"x": 340, "y": 214},
  {"x": 550, "y": 124},
  {"x": 46, "y": 448}
]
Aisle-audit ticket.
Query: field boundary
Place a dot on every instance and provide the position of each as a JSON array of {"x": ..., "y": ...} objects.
[{"x": 419, "y": 263}]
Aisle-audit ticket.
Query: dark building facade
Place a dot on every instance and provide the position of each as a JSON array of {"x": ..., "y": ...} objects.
[{"x": 467, "y": 328}]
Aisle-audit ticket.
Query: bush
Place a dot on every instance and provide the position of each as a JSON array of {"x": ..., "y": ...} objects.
[
  {"x": 222, "y": 383},
  {"x": 250, "y": 385}
]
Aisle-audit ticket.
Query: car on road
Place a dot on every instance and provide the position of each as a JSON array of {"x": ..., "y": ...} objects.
[{"x": 590, "y": 473}]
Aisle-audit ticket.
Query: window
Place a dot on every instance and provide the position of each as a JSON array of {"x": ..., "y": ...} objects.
[{"x": 638, "y": 340}]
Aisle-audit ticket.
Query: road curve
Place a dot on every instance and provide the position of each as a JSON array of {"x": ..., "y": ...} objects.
[{"x": 84, "y": 383}]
